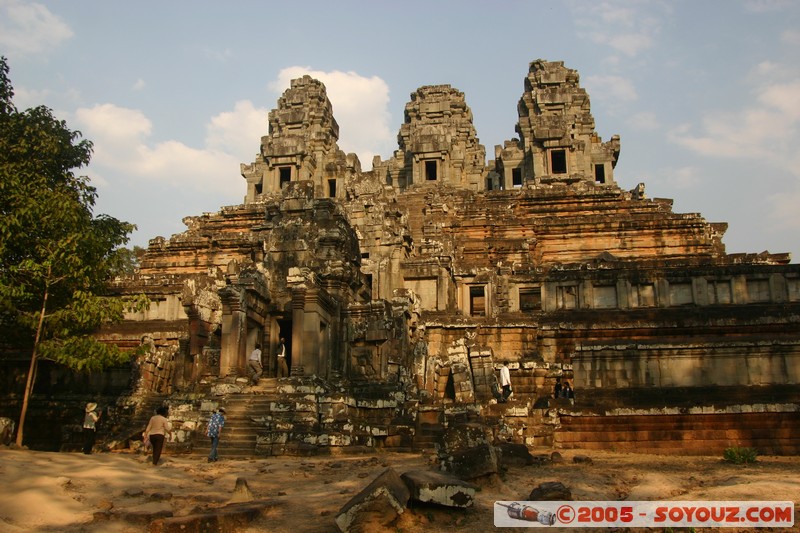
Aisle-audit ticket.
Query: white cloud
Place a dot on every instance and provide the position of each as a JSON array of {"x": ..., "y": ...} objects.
[
  {"x": 684, "y": 177},
  {"x": 784, "y": 214},
  {"x": 139, "y": 85},
  {"x": 625, "y": 27},
  {"x": 791, "y": 37},
  {"x": 238, "y": 132},
  {"x": 123, "y": 150},
  {"x": 611, "y": 88},
  {"x": 768, "y": 125},
  {"x": 644, "y": 121},
  {"x": 360, "y": 106},
  {"x": 29, "y": 28},
  {"x": 764, "y": 6}
]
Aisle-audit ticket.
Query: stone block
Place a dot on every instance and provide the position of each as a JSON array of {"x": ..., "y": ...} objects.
[
  {"x": 464, "y": 436},
  {"x": 510, "y": 455},
  {"x": 378, "y": 504},
  {"x": 442, "y": 489},
  {"x": 472, "y": 463}
]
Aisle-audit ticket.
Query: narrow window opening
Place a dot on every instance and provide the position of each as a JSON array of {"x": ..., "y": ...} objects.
[
  {"x": 558, "y": 161},
  {"x": 516, "y": 177},
  {"x": 332, "y": 188},
  {"x": 430, "y": 170},
  {"x": 259, "y": 188},
  {"x": 285, "y": 176},
  {"x": 600, "y": 173},
  {"x": 477, "y": 301},
  {"x": 530, "y": 299}
]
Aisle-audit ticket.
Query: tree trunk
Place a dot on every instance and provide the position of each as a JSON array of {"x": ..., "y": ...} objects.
[{"x": 32, "y": 370}]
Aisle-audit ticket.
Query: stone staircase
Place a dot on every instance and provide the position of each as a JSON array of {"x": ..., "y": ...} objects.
[{"x": 242, "y": 412}]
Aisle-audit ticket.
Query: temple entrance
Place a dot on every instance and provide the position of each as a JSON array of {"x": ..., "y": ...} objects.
[{"x": 285, "y": 331}]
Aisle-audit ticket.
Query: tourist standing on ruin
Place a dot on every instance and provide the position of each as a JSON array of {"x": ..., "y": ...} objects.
[
  {"x": 505, "y": 382},
  {"x": 283, "y": 368},
  {"x": 157, "y": 431},
  {"x": 89, "y": 427},
  {"x": 254, "y": 364},
  {"x": 215, "y": 424}
]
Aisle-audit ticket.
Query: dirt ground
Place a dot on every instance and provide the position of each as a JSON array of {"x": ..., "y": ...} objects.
[{"x": 61, "y": 492}]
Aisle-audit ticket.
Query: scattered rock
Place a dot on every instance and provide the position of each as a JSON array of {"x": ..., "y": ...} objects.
[
  {"x": 241, "y": 493},
  {"x": 551, "y": 491},
  {"x": 556, "y": 457},
  {"x": 232, "y": 517},
  {"x": 510, "y": 454},
  {"x": 434, "y": 487},
  {"x": 472, "y": 463},
  {"x": 375, "y": 507},
  {"x": 584, "y": 459}
]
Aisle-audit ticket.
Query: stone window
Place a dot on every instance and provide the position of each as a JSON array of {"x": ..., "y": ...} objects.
[
  {"x": 285, "y": 176},
  {"x": 567, "y": 297},
  {"x": 719, "y": 292},
  {"x": 477, "y": 301},
  {"x": 259, "y": 188},
  {"x": 794, "y": 289},
  {"x": 605, "y": 297},
  {"x": 680, "y": 294},
  {"x": 516, "y": 177},
  {"x": 431, "y": 169},
  {"x": 644, "y": 295},
  {"x": 558, "y": 161},
  {"x": 600, "y": 173},
  {"x": 758, "y": 290},
  {"x": 530, "y": 299},
  {"x": 427, "y": 289},
  {"x": 332, "y": 188}
]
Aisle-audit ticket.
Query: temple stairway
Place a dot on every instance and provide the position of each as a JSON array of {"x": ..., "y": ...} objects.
[{"x": 242, "y": 414}]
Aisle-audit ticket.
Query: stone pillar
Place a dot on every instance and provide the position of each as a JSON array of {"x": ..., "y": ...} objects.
[
  {"x": 298, "y": 331},
  {"x": 195, "y": 348},
  {"x": 232, "y": 357}
]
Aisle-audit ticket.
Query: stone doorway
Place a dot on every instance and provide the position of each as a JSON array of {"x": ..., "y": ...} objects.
[{"x": 285, "y": 331}]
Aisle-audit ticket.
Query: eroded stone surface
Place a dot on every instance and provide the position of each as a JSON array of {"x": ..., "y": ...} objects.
[{"x": 435, "y": 487}]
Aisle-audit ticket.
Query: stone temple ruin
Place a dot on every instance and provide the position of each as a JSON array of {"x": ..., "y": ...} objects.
[{"x": 400, "y": 291}]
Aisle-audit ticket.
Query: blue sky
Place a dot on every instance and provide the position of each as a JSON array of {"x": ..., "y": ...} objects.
[{"x": 704, "y": 94}]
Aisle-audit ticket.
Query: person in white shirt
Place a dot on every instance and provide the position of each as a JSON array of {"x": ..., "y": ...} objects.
[
  {"x": 254, "y": 365},
  {"x": 505, "y": 382},
  {"x": 283, "y": 368}
]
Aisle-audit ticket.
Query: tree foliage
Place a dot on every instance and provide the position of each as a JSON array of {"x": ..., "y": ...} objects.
[{"x": 55, "y": 254}]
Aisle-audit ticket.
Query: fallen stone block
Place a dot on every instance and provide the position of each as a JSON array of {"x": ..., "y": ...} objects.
[
  {"x": 551, "y": 491},
  {"x": 510, "y": 454},
  {"x": 472, "y": 463},
  {"x": 379, "y": 504},
  {"x": 242, "y": 492},
  {"x": 442, "y": 489},
  {"x": 228, "y": 519}
]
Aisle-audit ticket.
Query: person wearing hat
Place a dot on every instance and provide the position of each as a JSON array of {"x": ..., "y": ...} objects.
[
  {"x": 215, "y": 424},
  {"x": 89, "y": 426}
]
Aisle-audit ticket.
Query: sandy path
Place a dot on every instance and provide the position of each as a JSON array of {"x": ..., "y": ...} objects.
[{"x": 61, "y": 491}]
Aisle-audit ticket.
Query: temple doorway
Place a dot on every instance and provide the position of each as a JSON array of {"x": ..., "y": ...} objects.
[{"x": 285, "y": 331}]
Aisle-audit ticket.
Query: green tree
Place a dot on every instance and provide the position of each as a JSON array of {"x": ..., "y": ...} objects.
[{"x": 55, "y": 255}]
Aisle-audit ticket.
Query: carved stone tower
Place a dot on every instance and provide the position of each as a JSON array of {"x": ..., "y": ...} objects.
[
  {"x": 558, "y": 142},
  {"x": 301, "y": 145}
]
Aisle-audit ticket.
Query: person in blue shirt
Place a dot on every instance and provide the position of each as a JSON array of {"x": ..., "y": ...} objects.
[{"x": 215, "y": 424}]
